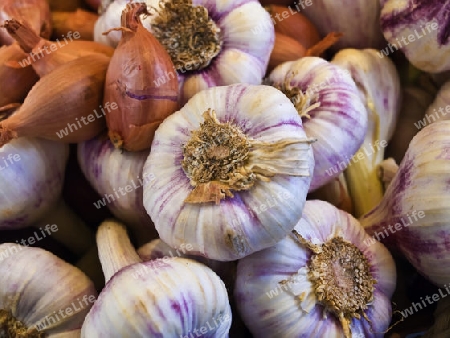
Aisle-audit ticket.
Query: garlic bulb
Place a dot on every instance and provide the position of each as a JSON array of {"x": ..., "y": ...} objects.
[
  {"x": 327, "y": 279},
  {"x": 413, "y": 216},
  {"x": 379, "y": 88},
  {"x": 439, "y": 109},
  {"x": 148, "y": 300},
  {"x": 358, "y": 13},
  {"x": 40, "y": 294},
  {"x": 420, "y": 30},
  {"x": 32, "y": 174},
  {"x": 332, "y": 112},
  {"x": 224, "y": 50},
  {"x": 231, "y": 176},
  {"x": 120, "y": 185}
]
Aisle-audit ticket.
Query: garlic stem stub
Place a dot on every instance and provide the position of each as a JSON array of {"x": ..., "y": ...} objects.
[
  {"x": 413, "y": 216},
  {"x": 147, "y": 299},
  {"x": 40, "y": 294},
  {"x": 232, "y": 169},
  {"x": 378, "y": 86},
  {"x": 322, "y": 280},
  {"x": 26, "y": 195},
  {"x": 327, "y": 100}
]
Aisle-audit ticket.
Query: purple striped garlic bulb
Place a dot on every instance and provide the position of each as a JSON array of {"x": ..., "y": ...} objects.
[
  {"x": 419, "y": 28},
  {"x": 175, "y": 297},
  {"x": 414, "y": 215},
  {"x": 328, "y": 278},
  {"x": 232, "y": 169},
  {"x": 118, "y": 179},
  {"x": 41, "y": 295},
  {"x": 211, "y": 42},
  {"x": 31, "y": 180},
  {"x": 439, "y": 109},
  {"x": 329, "y": 103}
]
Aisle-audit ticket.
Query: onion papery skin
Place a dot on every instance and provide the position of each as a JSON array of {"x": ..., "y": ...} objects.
[
  {"x": 37, "y": 286},
  {"x": 31, "y": 185},
  {"x": 421, "y": 188},
  {"x": 109, "y": 169},
  {"x": 358, "y": 13},
  {"x": 339, "y": 124},
  {"x": 236, "y": 226},
  {"x": 283, "y": 315},
  {"x": 427, "y": 22},
  {"x": 167, "y": 308}
]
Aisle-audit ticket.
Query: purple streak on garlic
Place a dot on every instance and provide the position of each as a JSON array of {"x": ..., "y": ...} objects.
[
  {"x": 347, "y": 16},
  {"x": 332, "y": 112},
  {"x": 148, "y": 300},
  {"x": 255, "y": 151},
  {"x": 379, "y": 88},
  {"x": 278, "y": 289},
  {"x": 44, "y": 293},
  {"x": 31, "y": 179},
  {"x": 110, "y": 171},
  {"x": 416, "y": 203},
  {"x": 420, "y": 29}
]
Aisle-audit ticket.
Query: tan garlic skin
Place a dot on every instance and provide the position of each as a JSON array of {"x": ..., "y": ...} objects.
[
  {"x": 133, "y": 78},
  {"x": 36, "y": 13},
  {"x": 15, "y": 82}
]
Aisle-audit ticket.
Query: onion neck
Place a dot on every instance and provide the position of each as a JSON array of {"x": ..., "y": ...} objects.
[
  {"x": 11, "y": 327},
  {"x": 114, "y": 248},
  {"x": 189, "y": 35},
  {"x": 24, "y": 35}
]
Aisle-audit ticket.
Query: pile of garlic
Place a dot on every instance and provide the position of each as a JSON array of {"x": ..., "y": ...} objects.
[{"x": 218, "y": 182}]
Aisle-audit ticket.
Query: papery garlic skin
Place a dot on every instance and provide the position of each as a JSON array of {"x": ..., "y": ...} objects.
[
  {"x": 338, "y": 119},
  {"x": 37, "y": 287},
  {"x": 379, "y": 88},
  {"x": 31, "y": 179},
  {"x": 253, "y": 219},
  {"x": 118, "y": 178},
  {"x": 420, "y": 30},
  {"x": 418, "y": 200},
  {"x": 273, "y": 310},
  {"x": 167, "y": 308},
  {"x": 357, "y": 13}
]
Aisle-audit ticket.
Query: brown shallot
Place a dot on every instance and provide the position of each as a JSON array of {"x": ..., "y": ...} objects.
[
  {"x": 142, "y": 79},
  {"x": 64, "y": 105},
  {"x": 45, "y": 56}
]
